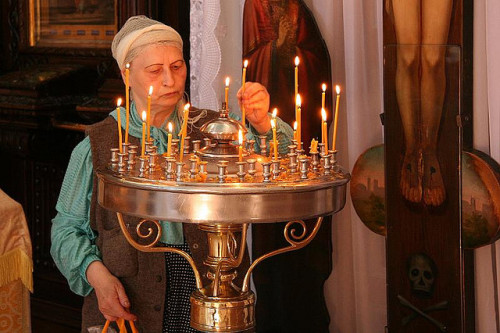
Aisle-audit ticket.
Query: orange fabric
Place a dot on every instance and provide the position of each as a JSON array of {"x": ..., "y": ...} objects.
[
  {"x": 14, "y": 308},
  {"x": 16, "y": 268},
  {"x": 14, "y": 231}
]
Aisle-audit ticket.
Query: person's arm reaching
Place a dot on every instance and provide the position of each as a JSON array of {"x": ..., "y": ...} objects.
[
  {"x": 73, "y": 241},
  {"x": 256, "y": 102}
]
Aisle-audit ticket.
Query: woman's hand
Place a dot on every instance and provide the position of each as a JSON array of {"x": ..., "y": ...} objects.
[
  {"x": 256, "y": 103},
  {"x": 111, "y": 297}
]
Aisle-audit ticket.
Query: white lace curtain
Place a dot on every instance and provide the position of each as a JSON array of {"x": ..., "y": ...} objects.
[
  {"x": 216, "y": 33},
  {"x": 352, "y": 29}
]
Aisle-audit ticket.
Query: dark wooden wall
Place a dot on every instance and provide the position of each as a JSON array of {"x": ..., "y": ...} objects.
[{"x": 40, "y": 123}]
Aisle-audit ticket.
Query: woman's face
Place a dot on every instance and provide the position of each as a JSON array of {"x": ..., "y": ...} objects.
[{"x": 160, "y": 66}]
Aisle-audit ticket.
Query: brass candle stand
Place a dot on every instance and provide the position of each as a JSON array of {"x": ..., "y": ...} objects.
[{"x": 223, "y": 196}]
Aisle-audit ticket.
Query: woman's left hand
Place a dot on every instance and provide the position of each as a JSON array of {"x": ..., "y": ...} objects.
[{"x": 256, "y": 103}]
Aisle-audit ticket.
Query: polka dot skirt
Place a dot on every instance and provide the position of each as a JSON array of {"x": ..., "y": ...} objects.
[{"x": 180, "y": 284}]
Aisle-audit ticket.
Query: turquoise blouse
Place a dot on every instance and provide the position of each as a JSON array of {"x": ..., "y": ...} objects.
[{"x": 73, "y": 240}]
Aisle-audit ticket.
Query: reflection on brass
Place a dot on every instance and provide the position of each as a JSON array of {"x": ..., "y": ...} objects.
[
  {"x": 234, "y": 314},
  {"x": 150, "y": 248},
  {"x": 150, "y": 232},
  {"x": 221, "y": 306}
]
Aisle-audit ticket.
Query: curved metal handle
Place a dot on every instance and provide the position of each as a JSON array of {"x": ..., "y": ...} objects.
[
  {"x": 295, "y": 244},
  {"x": 152, "y": 248},
  {"x": 234, "y": 261}
]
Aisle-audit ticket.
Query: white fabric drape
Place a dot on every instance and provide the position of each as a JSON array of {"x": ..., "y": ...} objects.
[
  {"x": 355, "y": 291},
  {"x": 487, "y": 139},
  {"x": 216, "y": 34},
  {"x": 352, "y": 29}
]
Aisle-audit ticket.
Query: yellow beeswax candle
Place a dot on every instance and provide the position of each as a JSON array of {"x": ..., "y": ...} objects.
[
  {"x": 183, "y": 130},
  {"x": 127, "y": 100},
  {"x": 243, "y": 80},
  {"x": 314, "y": 146},
  {"x": 143, "y": 141},
  {"x": 169, "y": 139},
  {"x": 148, "y": 120},
  {"x": 323, "y": 94},
  {"x": 275, "y": 143},
  {"x": 336, "y": 119},
  {"x": 324, "y": 130},
  {"x": 226, "y": 93},
  {"x": 298, "y": 104},
  {"x": 118, "y": 109},
  {"x": 274, "y": 125},
  {"x": 297, "y": 61},
  {"x": 240, "y": 147}
]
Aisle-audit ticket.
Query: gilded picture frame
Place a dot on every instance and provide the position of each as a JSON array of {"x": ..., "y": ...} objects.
[{"x": 72, "y": 23}]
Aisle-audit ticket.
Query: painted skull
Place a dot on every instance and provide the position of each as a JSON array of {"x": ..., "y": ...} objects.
[{"x": 422, "y": 273}]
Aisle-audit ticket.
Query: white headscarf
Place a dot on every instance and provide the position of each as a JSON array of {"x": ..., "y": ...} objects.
[{"x": 138, "y": 32}]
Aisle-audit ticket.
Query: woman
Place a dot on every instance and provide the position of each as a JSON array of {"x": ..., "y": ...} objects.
[{"x": 87, "y": 245}]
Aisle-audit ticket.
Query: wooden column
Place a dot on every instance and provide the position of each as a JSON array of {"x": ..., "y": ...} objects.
[{"x": 426, "y": 265}]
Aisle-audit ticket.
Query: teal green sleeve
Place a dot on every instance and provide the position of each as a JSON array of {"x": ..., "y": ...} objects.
[
  {"x": 284, "y": 135},
  {"x": 73, "y": 241}
]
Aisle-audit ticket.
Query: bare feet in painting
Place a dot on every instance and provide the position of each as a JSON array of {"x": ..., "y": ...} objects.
[
  {"x": 434, "y": 191},
  {"x": 411, "y": 179}
]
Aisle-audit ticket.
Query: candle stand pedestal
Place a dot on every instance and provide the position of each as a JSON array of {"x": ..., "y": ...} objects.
[{"x": 223, "y": 204}]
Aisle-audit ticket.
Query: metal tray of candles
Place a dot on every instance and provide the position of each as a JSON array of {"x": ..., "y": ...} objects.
[
  {"x": 223, "y": 187},
  {"x": 214, "y": 184}
]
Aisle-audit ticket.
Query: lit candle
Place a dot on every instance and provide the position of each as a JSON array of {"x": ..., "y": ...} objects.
[
  {"x": 183, "y": 132},
  {"x": 274, "y": 114},
  {"x": 169, "y": 140},
  {"x": 120, "y": 140},
  {"x": 295, "y": 131},
  {"x": 324, "y": 130},
  {"x": 297, "y": 61},
  {"x": 275, "y": 143},
  {"x": 243, "y": 80},
  {"x": 323, "y": 87},
  {"x": 148, "y": 119},
  {"x": 240, "y": 147},
  {"x": 298, "y": 105},
  {"x": 336, "y": 119},
  {"x": 144, "y": 116},
  {"x": 226, "y": 93},
  {"x": 127, "y": 100}
]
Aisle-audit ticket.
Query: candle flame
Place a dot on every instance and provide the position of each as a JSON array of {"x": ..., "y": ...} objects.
[
  {"x": 297, "y": 61},
  {"x": 150, "y": 90},
  {"x": 187, "y": 106},
  {"x": 245, "y": 63},
  {"x": 275, "y": 112},
  {"x": 323, "y": 87},
  {"x": 119, "y": 102},
  {"x": 170, "y": 126},
  {"x": 127, "y": 66},
  {"x": 273, "y": 124},
  {"x": 144, "y": 115},
  {"x": 323, "y": 114},
  {"x": 240, "y": 137},
  {"x": 294, "y": 125},
  {"x": 227, "y": 81},
  {"x": 337, "y": 88},
  {"x": 298, "y": 101}
]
